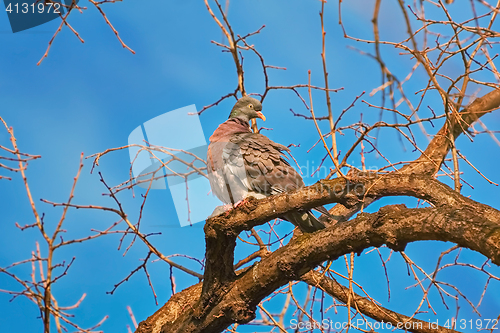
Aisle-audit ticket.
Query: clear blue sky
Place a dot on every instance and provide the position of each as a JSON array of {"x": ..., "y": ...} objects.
[{"x": 89, "y": 97}]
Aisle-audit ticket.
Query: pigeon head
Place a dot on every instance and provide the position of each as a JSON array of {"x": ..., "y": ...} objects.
[{"x": 247, "y": 108}]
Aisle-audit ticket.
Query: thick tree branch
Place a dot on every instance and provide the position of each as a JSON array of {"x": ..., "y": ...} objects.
[
  {"x": 432, "y": 158},
  {"x": 394, "y": 226},
  {"x": 366, "y": 306},
  {"x": 171, "y": 310}
]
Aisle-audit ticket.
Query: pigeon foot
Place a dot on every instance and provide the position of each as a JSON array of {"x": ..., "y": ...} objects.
[{"x": 241, "y": 203}]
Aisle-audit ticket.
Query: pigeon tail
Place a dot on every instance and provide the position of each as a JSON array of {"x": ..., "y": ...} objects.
[{"x": 306, "y": 221}]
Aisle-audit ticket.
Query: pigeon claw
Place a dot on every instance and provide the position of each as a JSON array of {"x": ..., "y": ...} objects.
[
  {"x": 240, "y": 203},
  {"x": 228, "y": 207}
]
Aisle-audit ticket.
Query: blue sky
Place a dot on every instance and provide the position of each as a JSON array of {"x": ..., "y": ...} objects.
[{"x": 89, "y": 97}]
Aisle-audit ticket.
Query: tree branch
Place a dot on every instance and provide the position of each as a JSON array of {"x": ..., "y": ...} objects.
[
  {"x": 366, "y": 306},
  {"x": 432, "y": 158}
]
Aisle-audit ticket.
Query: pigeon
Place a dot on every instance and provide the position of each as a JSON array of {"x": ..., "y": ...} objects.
[{"x": 242, "y": 163}]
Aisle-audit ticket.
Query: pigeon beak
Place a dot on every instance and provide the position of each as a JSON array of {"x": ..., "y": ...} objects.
[{"x": 261, "y": 116}]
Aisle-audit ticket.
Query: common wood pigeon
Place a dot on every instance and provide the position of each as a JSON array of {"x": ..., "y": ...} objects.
[{"x": 242, "y": 164}]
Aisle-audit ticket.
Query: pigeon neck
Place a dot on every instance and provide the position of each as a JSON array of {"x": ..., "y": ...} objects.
[
  {"x": 241, "y": 122},
  {"x": 230, "y": 127}
]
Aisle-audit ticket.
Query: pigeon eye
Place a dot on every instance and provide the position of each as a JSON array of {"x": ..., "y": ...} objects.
[{"x": 250, "y": 106}]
